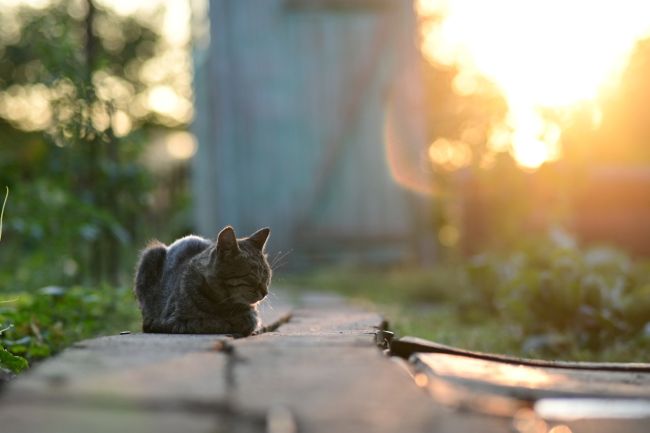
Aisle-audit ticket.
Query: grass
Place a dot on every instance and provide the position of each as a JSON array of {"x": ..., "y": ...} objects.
[
  {"x": 472, "y": 305},
  {"x": 34, "y": 326},
  {"x": 2, "y": 212},
  {"x": 38, "y": 325}
]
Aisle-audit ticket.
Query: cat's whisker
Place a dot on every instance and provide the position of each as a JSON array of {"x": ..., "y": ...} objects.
[
  {"x": 278, "y": 265},
  {"x": 275, "y": 256},
  {"x": 279, "y": 256},
  {"x": 284, "y": 256},
  {"x": 271, "y": 297}
]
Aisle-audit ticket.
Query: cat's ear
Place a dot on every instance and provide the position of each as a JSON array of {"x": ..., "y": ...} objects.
[
  {"x": 259, "y": 237},
  {"x": 227, "y": 241}
]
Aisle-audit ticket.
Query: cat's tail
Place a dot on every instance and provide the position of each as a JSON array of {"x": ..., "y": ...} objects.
[{"x": 147, "y": 281}]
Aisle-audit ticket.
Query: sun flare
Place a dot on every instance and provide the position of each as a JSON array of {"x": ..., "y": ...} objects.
[{"x": 551, "y": 54}]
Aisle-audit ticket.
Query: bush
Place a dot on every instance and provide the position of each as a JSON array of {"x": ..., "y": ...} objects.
[{"x": 559, "y": 294}]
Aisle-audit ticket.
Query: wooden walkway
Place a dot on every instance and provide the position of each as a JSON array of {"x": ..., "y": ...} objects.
[{"x": 319, "y": 371}]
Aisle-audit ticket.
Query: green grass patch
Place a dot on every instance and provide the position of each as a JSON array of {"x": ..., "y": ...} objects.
[
  {"x": 547, "y": 300},
  {"x": 38, "y": 325}
]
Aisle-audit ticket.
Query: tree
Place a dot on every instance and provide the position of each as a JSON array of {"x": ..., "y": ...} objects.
[{"x": 73, "y": 120}]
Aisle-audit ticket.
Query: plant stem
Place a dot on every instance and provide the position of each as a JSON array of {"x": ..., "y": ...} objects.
[{"x": 2, "y": 212}]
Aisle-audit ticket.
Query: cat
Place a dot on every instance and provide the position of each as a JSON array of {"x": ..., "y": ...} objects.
[{"x": 198, "y": 286}]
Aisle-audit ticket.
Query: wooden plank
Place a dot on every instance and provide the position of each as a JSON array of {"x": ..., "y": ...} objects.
[
  {"x": 41, "y": 418},
  {"x": 531, "y": 383},
  {"x": 406, "y": 346},
  {"x": 537, "y": 399},
  {"x": 132, "y": 368},
  {"x": 324, "y": 370},
  {"x": 338, "y": 388}
]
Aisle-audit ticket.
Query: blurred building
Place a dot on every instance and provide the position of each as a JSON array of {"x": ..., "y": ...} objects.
[{"x": 291, "y": 103}]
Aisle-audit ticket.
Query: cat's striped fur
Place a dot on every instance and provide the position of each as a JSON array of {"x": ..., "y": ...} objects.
[{"x": 198, "y": 286}]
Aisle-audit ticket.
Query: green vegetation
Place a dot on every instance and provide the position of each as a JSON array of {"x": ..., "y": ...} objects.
[
  {"x": 34, "y": 326},
  {"x": 7, "y": 359},
  {"x": 75, "y": 125},
  {"x": 43, "y": 323},
  {"x": 548, "y": 299},
  {"x": 78, "y": 187}
]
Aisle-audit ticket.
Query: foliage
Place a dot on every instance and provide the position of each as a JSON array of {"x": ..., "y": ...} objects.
[
  {"x": 7, "y": 359},
  {"x": 76, "y": 182},
  {"x": 34, "y": 326},
  {"x": 561, "y": 297},
  {"x": 12, "y": 362},
  {"x": 43, "y": 323},
  {"x": 547, "y": 299},
  {"x": 74, "y": 123}
]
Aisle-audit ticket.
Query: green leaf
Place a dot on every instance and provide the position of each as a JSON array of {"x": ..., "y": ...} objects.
[{"x": 12, "y": 362}]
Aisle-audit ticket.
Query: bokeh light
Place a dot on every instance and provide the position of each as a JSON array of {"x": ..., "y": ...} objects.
[
  {"x": 181, "y": 145},
  {"x": 153, "y": 86},
  {"x": 541, "y": 55}
]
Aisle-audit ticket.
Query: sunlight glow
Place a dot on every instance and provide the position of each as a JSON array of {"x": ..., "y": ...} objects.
[
  {"x": 450, "y": 154},
  {"x": 498, "y": 373},
  {"x": 421, "y": 380},
  {"x": 571, "y": 409},
  {"x": 527, "y": 421},
  {"x": 175, "y": 28},
  {"x": 449, "y": 235},
  {"x": 132, "y": 7},
  {"x": 551, "y": 54},
  {"x": 181, "y": 144},
  {"x": 28, "y": 107},
  {"x": 560, "y": 429},
  {"x": 122, "y": 123},
  {"x": 36, "y": 4},
  {"x": 164, "y": 100}
]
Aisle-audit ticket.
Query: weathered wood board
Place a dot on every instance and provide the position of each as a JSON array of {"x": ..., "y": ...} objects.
[
  {"x": 406, "y": 346},
  {"x": 533, "y": 383},
  {"x": 584, "y": 400}
]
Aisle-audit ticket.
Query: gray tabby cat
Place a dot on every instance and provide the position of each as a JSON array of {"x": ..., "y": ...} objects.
[{"x": 197, "y": 286}]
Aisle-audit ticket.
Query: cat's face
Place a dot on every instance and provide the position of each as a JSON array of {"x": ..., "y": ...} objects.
[{"x": 243, "y": 270}]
